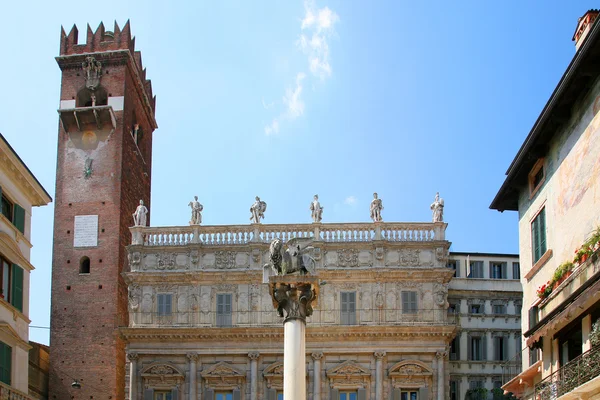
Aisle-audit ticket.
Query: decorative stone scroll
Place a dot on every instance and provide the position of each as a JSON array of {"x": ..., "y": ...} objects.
[
  {"x": 274, "y": 376},
  {"x": 348, "y": 375},
  {"x": 162, "y": 376},
  {"x": 223, "y": 376},
  {"x": 411, "y": 374}
]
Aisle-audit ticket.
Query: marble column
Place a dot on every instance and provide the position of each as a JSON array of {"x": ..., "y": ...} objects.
[
  {"x": 489, "y": 346},
  {"x": 133, "y": 357},
  {"x": 441, "y": 379},
  {"x": 294, "y": 295},
  {"x": 253, "y": 375},
  {"x": 463, "y": 346},
  {"x": 317, "y": 375},
  {"x": 193, "y": 358},
  {"x": 511, "y": 338},
  {"x": 379, "y": 374}
]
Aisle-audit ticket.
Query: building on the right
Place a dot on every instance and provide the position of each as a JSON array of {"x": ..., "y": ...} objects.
[{"x": 554, "y": 184}]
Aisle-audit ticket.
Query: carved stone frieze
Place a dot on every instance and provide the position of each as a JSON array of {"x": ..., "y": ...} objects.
[
  {"x": 223, "y": 376},
  {"x": 135, "y": 297},
  {"x": 274, "y": 376},
  {"x": 165, "y": 261},
  {"x": 225, "y": 259},
  {"x": 134, "y": 259},
  {"x": 441, "y": 254},
  {"x": 194, "y": 258},
  {"x": 161, "y": 376},
  {"x": 380, "y": 253},
  {"x": 349, "y": 373},
  {"x": 409, "y": 257},
  {"x": 348, "y": 258},
  {"x": 317, "y": 254},
  {"x": 410, "y": 373}
]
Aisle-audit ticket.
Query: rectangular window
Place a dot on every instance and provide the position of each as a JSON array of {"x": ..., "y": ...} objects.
[
  {"x": 500, "y": 348},
  {"x": 13, "y": 212},
  {"x": 538, "y": 235},
  {"x": 348, "y": 308},
  {"x": 533, "y": 316},
  {"x": 476, "y": 270},
  {"x": 5, "y": 363},
  {"x": 475, "y": 384},
  {"x": 224, "y": 396},
  {"x": 163, "y": 396},
  {"x": 516, "y": 270},
  {"x": 455, "y": 265},
  {"x": 452, "y": 308},
  {"x": 454, "y": 353},
  {"x": 348, "y": 395},
  {"x": 475, "y": 309},
  {"x": 454, "y": 385},
  {"x": 409, "y": 303},
  {"x": 409, "y": 395},
  {"x": 518, "y": 308},
  {"x": 11, "y": 283},
  {"x": 499, "y": 309},
  {"x": 224, "y": 309},
  {"x": 7, "y": 208},
  {"x": 536, "y": 177},
  {"x": 164, "y": 304},
  {"x": 476, "y": 348},
  {"x": 498, "y": 270},
  {"x": 279, "y": 395}
]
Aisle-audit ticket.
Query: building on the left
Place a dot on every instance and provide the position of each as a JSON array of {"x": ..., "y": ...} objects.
[{"x": 20, "y": 192}]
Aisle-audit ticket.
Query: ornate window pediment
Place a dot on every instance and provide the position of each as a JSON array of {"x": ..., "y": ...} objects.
[
  {"x": 348, "y": 375},
  {"x": 223, "y": 376},
  {"x": 162, "y": 376},
  {"x": 274, "y": 376},
  {"x": 410, "y": 374}
]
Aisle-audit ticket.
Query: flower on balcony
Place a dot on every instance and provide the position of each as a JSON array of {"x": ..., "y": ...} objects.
[
  {"x": 545, "y": 290},
  {"x": 595, "y": 334}
]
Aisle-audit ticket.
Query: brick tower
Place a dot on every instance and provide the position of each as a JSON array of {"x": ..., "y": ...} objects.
[{"x": 103, "y": 170}]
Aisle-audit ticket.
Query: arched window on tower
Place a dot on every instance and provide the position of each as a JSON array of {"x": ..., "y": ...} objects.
[
  {"x": 84, "y": 265},
  {"x": 88, "y": 98}
]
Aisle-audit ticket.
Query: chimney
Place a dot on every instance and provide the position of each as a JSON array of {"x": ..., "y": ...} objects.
[{"x": 584, "y": 26}]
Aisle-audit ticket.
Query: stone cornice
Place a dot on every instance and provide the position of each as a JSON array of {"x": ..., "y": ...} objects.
[{"x": 314, "y": 334}]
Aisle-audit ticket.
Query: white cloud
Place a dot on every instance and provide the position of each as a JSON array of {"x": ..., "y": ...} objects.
[
  {"x": 350, "y": 201},
  {"x": 317, "y": 27}
]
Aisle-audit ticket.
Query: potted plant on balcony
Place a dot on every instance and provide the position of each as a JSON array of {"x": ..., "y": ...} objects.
[
  {"x": 563, "y": 271},
  {"x": 595, "y": 334},
  {"x": 544, "y": 290},
  {"x": 582, "y": 254}
]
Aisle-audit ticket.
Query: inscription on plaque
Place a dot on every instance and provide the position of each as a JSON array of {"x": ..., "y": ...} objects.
[{"x": 86, "y": 231}]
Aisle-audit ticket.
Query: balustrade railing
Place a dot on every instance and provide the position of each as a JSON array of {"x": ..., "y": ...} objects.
[
  {"x": 9, "y": 393},
  {"x": 573, "y": 374},
  {"x": 260, "y": 319},
  {"x": 257, "y": 233}
]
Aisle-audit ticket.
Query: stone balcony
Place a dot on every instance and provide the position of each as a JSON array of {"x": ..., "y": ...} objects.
[{"x": 9, "y": 393}]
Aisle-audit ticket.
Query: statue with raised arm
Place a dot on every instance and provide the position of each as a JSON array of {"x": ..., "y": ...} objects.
[
  {"x": 376, "y": 207},
  {"x": 438, "y": 208},
  {"x": 293, "y": 256},
  {"x": 316, "y": 211},
  {"x": 257, "y": 210},
  {"x": 139, "y": 216},
  {"x": 196, "y": 211}
]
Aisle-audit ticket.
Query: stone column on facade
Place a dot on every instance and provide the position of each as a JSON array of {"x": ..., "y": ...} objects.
[
  {"x": 253, "y": 375},
  {"x": 294, "y": 295},
  {"x": 555, "y": 354},
  {"x": 512, "y": 345},
  {"x": 193, "y": 358},
  {"x": 463, "y": 346},
  {"x": 547, "y": 357},
  {"x": 441, "y": 379},
  {"x": 489, "y": 345},
  {"x": 317, "y": 375},
  {"x": 379, "y": 374},
  {"x": 133, "y": 357},
  {"x": 586, "y": 328}
]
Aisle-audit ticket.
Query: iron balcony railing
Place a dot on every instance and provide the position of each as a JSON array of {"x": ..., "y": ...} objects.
[
  {"x": 575, "y": 373},
  {"x": 371, "y": 317},
  {"x": 512, "y": 368}
]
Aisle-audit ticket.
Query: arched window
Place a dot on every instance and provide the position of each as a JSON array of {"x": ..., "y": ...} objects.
[
  {"x": 88, "y": 98},
  {"x": 84, "y": 265}
]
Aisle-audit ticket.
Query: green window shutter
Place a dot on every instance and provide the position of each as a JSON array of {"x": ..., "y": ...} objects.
[
  {"x": 174, "y": 394},
  {"x": 5, "y": 363},
  {"x": 16, "y": 298},
  {"x": 542, "y": 231},
  {"x": 19, "y": 218}
]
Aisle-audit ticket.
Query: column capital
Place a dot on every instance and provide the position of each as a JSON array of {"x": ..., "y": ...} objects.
[
  {"x": 193, "y": 357},
  {"x": 379, "y": 354},
  {"x": 440, "y": 355},
  {"x": 295, "y": 296},
  {"x": 317, "y": 355},
  {"x": 253, "y": 355},
  {"x": 132, "y": 356}
]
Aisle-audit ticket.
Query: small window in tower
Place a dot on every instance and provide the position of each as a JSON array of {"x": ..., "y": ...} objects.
[
  {"x": 84, "y": 265},
  {"x": 89, "y": 98}
]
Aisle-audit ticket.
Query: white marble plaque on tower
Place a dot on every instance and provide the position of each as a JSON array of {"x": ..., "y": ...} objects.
[{"x": 86, "y": 231}]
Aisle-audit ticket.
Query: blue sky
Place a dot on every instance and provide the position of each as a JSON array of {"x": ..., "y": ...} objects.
[{"x": 285, "y": 99}]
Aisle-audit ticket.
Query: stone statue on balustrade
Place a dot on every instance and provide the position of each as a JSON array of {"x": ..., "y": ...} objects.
[
  {"x": 196, "y": 211},
  {"x": 376, "y": 207},
  {"x": 140, "y": 214},
  {"x": 293, "y": 256},
  {"x": 438, "y": 208},
  {"x": 316, "y": 210},
  {"x": 257, "y": 211}
]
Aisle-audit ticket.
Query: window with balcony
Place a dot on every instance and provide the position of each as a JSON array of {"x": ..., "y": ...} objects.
[
  {"x": 11, "y": 283},
  {"x": 475, "y": 270},
  {"x": 454, "y": 265},
  {"x": 538, "y": 235},
  {"x": 224, "y": 310},
  {"x": 5, "y": 363},
  {"x": 516, "y": 267},
  {"x": 409, "y": 303},
  {"x": 498, "y": 270},
  {"x": 164, "y": 304}
]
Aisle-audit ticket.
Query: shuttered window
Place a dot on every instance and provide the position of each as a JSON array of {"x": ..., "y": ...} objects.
[
  {"x": 17, "y": 287},
  {"x": 475, "y": 270},
  {"x": 409, "y": 302},
  {"x": 5, "y": 363},
  {"x": 348, "y": 308},
  {"x": 538, "y": 235},
  {"x": 164, "y": 304},
  {"x": 223, "y": 310}
]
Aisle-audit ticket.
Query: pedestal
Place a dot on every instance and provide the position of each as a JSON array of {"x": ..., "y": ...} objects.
[{"x": 293, "y": 295}]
